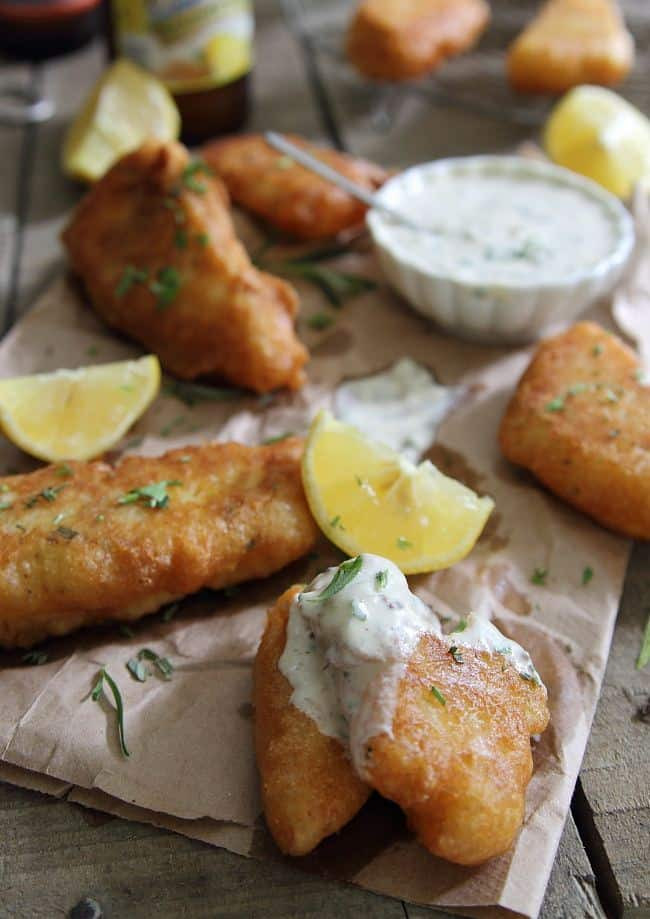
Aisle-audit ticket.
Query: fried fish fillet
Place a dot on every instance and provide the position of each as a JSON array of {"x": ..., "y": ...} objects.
[
  {"x": 287, "y": 195},
  {"x": 571, "y": 42},
  {"x": 459, "y": 760},
  {"x": 405, "y": 39},
  {"x": 90, "y": 542},
  {"x": 580, "y": 422},
  {"x": 154, "y": 245},
  {"x": 309, "y": 789}
]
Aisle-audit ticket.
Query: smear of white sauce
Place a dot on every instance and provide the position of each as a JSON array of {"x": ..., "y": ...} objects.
[
  {"x": 402, "y": 407},
  {"x": 344, "y": 656}
]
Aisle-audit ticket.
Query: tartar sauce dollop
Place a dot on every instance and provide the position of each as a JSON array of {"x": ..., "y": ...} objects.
[{"x": 347, "y": 649}]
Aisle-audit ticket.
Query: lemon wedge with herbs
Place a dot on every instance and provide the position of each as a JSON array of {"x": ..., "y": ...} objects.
[
  {"x": 595, "y": 132},
  {"x": 126, "y": 107},
  {"x": 367, "y": 498},
  {"x": 77, "y": 414}
]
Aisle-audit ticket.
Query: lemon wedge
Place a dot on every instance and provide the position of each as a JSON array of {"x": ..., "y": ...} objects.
[
  {"x": 367, "y": 498},
  {"x": 229, "y": 56},
  {"x": 595, "y": 132},
  {"x": 77, "y": 414},
  {"x": 126, "y": 107}
]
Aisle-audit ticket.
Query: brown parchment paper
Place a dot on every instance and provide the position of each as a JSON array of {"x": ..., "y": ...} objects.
[{"x": 192, "y": 767}]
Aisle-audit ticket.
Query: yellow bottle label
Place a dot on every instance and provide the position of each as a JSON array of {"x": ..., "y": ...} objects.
[{"x": 188, "y": 44}]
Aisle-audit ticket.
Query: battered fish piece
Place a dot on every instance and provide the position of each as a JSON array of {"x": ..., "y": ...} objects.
[
  {"x": 459, "y": 760},
  {"x": 285, "y": 194},
  {"x": 405, "y": 39},
  {"x": 309, "y": 789},
  {"x": 154, "y": 245},
  {"x": 571, "y": 42},
  {"x": 580, "y": 422},
  {"x": 356, "y": 688},
  {"x": 89, "y": 542}
]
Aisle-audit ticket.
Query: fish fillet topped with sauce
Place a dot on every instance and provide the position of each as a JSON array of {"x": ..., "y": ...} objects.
[
  {"x": 357, "y": 689},
  {"x": 580, "y": 422},
  {"x": 155, "y": 247},
  {"x": 89, "y": 542}
]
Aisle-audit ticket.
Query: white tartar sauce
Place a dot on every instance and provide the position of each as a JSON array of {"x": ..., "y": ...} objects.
[
  {"x": 346, "y": 650},
  {"x": 500, "y": 224},
  {"x": 402, "y": 407}
]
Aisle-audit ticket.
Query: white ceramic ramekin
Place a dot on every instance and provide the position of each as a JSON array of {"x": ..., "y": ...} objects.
[{"x": 505, "y": 312}]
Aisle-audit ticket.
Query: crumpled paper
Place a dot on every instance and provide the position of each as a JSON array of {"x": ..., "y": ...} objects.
[{"x": 192, "y": 767}]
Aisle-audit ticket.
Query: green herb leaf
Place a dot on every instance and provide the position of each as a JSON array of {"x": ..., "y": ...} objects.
[
  {"x": 130, "y": 276},
  {"x": 153, "y": 495},
  {"x": 381, "y": 579},
  {"x": 180, "y": 238},
  {"x": 202, "y": 239},
  {"x": 597, "y": 349},
  {"x": 66, "y": 532},
  {"x": 435, "y": 692},
  {"x": 555, "y": 405},
  {"x": 462, "y": 625},
  {"x": 48, "y": 494},
  {"x": 92, "y": 351},
  {"x": 539, "y": 576},
  {"x": 320, "y": 321},
  {"x": 587, "y": 575},
  {"x": 63, "y": 470},
  {"x": 336, "y": 522},
  {"x": 191, "y": 393},
  {"x": 403, "y": 543},
  {"x": 5, "y": 505},
  {"x": 644, "y": 654},
  {"x": 98, "y": 688},
  {"x": 137, "y": 669},
  {"x": 162, "y": 663},
  {"x": 189, "y": 174},
  {"x": 277, "y": 438},
  {"x": 456, "y": 654},
  {"x": 167, "y": 429},
  {"x": 345, "y": 573},
  {"x": 172, "y": 204},
  {"x": 117, "y": 697},
  {"x": 166, "y": 286},
  {"x": 169, "y": 612},
  {"x": 35, "y": 657},
  {"x": 337, "y": 286}
]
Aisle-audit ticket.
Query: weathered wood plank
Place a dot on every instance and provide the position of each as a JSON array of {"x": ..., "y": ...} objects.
[{"x": 615, "y": 776}]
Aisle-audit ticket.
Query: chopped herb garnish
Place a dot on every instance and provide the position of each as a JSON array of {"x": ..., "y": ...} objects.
[
  {"x": 277, "y": 438},
  {"x": 167, "y": 429},
  {"x": 529, "y": 677},
  {"x": 48, "y": 494},
  {"x": 462, "y": 625},
  {"x": 130, "y": 276},
  {"x": 95, "y": 695},
  {"x": 202, "y": 239},
  {"x": 59, "y": 518},
  {"x": 336, "y": 522},
  {"x": 35, "y": 658},
  {"x": 92, "y": 351},
  {"x": 345, "y": 573},
  {"x": 320, "y": 321},
  {"x": 169, "y": 612},
  {"x": 99, "y": 518},
  {"x": 456, "y": 654},
  {"x": 191, "y": 393},
  {"x": 137, "y": 669},
  {"x": 166, "y": 286},
  {"x": 555, "y": 405},
  {"x": 644, "y": 654},
  {"x": 173, "y": 205},
  {"x": 403, "y": 543},
  {"x": 154, "y": 495},
  {"x": 597, "y": 350},
  {"x": 5, "y": 505},
  {"x": 587, "y": 575},
  {"x": 337, "y": 286},
  {"x": 539, "y": 576},
  {"x": 435, "y": 692},
  {"x": 611, "y": 396},
  {"x": 381, "y": 579},
  {"x": 126, "y": 630},
  {"x": 180, "y": 238},
  {"x": 188, "y": 176},
  {"x": 162, "y": 663},
  {"x": 64, "y": 471},
  {"x": 67, "y": 533}
]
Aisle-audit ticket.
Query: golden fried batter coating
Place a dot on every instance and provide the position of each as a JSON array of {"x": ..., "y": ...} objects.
[
  {"x": 571, "y": 42},
  {"x": 459, "y": 768},
  {"x": 72, "y": 554},
  {"x": 309, "y": 788},
  {"x": 154, "y": 244},
  {"x": 404, "y": 39},
  {"x": 580, "y": 421},
  {"x": 287, "y": 195}
]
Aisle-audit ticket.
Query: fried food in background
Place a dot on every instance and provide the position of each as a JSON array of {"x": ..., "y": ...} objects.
[
  {"x": 459, "y": 768},
  {"x": 285, "y": 194},
  {"x": 309, "y": 788},
  {"x": 154, "y": 245},
  {"x": 405, "y": 39},
  {"x": 571, "y": 42},
  {"x": 580, "y": 422},
  {"x": 89, "y": 542}
]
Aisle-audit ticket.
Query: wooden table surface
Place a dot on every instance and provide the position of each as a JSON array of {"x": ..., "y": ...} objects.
[{"x": 53, "y": 854}]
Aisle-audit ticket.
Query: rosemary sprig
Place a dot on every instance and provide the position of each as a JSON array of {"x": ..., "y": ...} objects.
[
  {"x": 96, "y": 693},
  {"x": 345, "y": 573}
]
